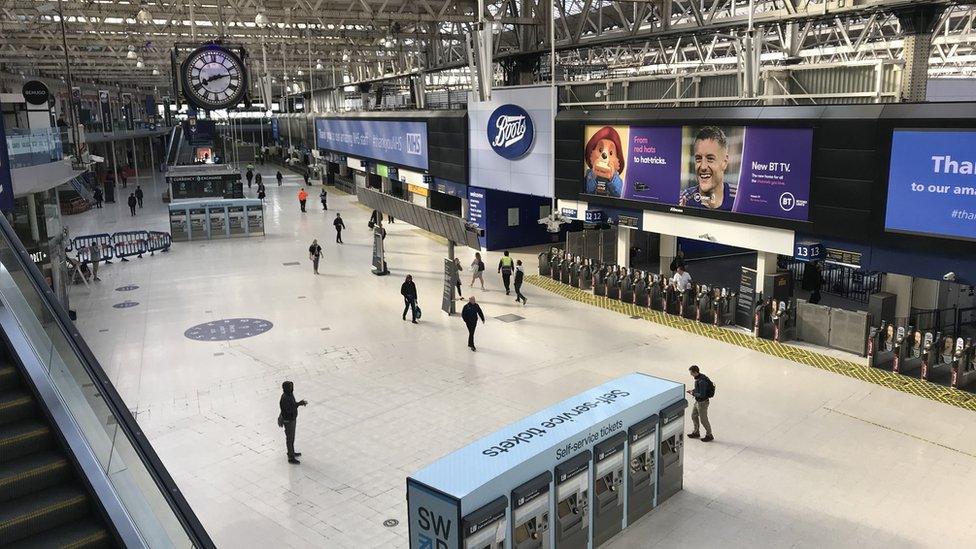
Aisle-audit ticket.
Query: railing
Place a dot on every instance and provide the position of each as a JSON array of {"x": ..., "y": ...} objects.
[
  {"x": 34, "y": 147},
  {"x": 152, "y": 503},
  {"x": 853, "y": 284}
]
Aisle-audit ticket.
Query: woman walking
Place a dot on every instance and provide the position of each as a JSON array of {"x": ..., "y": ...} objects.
[
  {"x": 478, "y": 270},
  {"x": 457, "y": 279},
  {"x": 315, "y": 254}
]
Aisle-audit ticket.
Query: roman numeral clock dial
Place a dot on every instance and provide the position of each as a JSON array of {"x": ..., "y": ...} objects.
[{"x": 213, "y": 78}]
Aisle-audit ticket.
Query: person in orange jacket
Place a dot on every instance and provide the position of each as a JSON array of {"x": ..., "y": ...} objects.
[{"x": 302, "y": 197}]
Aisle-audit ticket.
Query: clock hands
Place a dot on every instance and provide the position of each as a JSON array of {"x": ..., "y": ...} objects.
[{"x": 212, "y": 78}]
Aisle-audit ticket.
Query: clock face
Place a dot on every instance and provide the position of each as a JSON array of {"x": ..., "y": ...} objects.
[{"x": 214, "y": 78}]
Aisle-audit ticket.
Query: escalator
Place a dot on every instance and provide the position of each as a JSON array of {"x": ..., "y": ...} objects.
[
  {"x": 76, "y": 471},
  {"x": 173, "y": 145},
  {"x": 43, "y": 499}
]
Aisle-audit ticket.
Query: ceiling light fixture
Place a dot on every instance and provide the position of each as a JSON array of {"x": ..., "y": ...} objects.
[
  {"x": 261, "y": 19},
  {"x": 140, "y": 64},
  {"x": 301, "y": 72},
  {"x": 345, "y": 56},
  {"x": 155, "y": 72},
  {"x": 143, "y": 16},
  {"x": 132, "y": 53},
  {"x": 318, "y": 64}
]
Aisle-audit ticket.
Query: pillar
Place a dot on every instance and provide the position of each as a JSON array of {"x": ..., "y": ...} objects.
[
  {"x": 623, "y": 246},
  {"x": 668, "y": 249},
  {"x": 765, "y": 265},
  {"x": 901, "y": 286},
  {"x": 917, "y": 25}
]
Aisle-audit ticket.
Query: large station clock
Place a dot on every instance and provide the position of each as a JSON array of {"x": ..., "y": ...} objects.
[{"x": 213, "y": 77}]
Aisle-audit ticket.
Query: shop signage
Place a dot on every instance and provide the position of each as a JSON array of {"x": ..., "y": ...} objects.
[
  {"x": 415, "y": 189},
  {"x": 35, "y": 92},
  {"x": 808, "y": 251},
  {"x": 510, "y": 131}
]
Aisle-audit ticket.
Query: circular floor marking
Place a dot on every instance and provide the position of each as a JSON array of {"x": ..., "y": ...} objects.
[
  {"x": 125, "y": 304},
  {"x": 228, "y": 329},
  {"x": 390, "y": 523}
]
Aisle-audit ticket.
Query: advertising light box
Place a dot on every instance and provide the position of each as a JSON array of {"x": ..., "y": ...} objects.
[
  {"x": 397, "y": 142},
  {"x": 931, "y": 183},
  {"x": 748, "y": 170}
]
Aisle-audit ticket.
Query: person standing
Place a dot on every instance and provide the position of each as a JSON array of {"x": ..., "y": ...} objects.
[
  {"x": 279, "y": 177},
  {"x": 409, "y": 292},
  {"x": 681, "y": 278},
  {"x": 257, "y": 181},
  {"x": 97, "y": 196},
  {"x": 289, "y": 417},
  {"x": 302, "y": 198},
  {"x": 470, "y": 315},
  {"x": 812, "y": 280},
  {"x": 132, "y": 203},
  {"x": 249, "y": 175},
  {"x": 339, "y": 225},
  {"x": 94, "y": 258},
  {"x": 457, "y": 276},
  {"x": 324, "y": 199},
  {"x": 139, "y": 195},
  {"x": 678, "y": 261},
  {"x": 478, "y": 270},
  {"x": 125, "y": 178},
  {"x": 704, "y": 390},
  {"x": 315, "y": 254},
  {"x": 506, "y": 266},
  {"x": 519, "y": 277}
]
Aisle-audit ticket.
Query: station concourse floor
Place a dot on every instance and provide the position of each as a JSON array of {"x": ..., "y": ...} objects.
[{"x": 801, "y": 457}]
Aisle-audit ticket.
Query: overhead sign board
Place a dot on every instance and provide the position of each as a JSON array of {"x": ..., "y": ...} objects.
[{"x": 398, "y": 141}]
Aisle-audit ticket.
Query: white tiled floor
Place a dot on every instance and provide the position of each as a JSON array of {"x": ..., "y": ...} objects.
[{"x": 802, "y": 457}]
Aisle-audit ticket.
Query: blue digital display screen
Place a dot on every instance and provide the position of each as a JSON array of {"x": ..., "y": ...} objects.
[
  {"x": 398, "y": 142},
  {"x": 932, "y": 184}
]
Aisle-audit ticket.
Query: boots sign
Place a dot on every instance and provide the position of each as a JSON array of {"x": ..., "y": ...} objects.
[{"x": 510, "y": 131}]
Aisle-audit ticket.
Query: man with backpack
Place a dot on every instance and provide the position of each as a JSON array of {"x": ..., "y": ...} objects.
[{"x": 704, "y": 390}]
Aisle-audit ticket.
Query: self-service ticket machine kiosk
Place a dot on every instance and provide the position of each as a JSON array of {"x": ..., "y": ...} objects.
[
  {"x": 642, "y": 473},
  {"x": 530, "y": 514},
  {"x": 881, "y": 345},
  {"x": 485, "y": 528},
  {"x": 608, "y": 488},
  {"x": 572, "y": 503},
  {"x": 671, "y": 451}
]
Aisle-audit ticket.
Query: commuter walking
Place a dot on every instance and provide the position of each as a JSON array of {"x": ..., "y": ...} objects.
[
  {"x": 704, "y": 390},
  {"x": 339, "y": 225},
  {"x": 97, "y": 196},
  {"x": 458, "y": 269},
  {"x": 305, "y": 176},
  {"x": 302, "y": 198},
  {"x": 139, "y": 195},
  {"x": 519, "y": 277},
  {"x": 289, "y": 417},
  {"x": 315, "y": 254},
  {"x": 374, "y": 218},
  {"x": 506, "y": 266},
  {"x": 94, "y": 258},
  {"x": 470, "y": 315},
  {"x": 477, "y": 270},
  {"x": 249, "y": 175},
  {"x": 132, "y": 203},
  {"x": 261, "y": 193},
  {"x": 324, "y": 199},
  {"x": 125, "y": 178},
  {"x": 409, "y": 292},
  {"x": 257, "y": 180},
  {"x": 279, "y": 177}
]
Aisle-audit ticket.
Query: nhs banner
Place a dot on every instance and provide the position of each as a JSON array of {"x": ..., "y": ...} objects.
[
  {"x": 397, "y": 142},
  {"x": 510, "y": 131}
]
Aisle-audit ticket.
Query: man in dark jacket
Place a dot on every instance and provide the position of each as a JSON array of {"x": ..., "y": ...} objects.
[
  {"x": 704, "y": 389},
  {"x": 288, "y": 418},
  {"x": 409, "y": 292},
  {"x": 97, "y": 196},
  {"x": 519, "y": 277},
  {"x": 339, "y": 225},
  {"x": 139, "y": 195},
  {"x": 470, "y": 315},
  {"x": 678, "y": 261},
  {"x": 812, "y": 280},
  {"x": 132, "y": 203}
]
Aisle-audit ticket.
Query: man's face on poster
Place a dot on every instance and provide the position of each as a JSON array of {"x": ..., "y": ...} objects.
[{"x": 711, "y": 161}]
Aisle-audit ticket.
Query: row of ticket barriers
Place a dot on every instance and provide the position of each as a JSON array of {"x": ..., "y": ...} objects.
[
  {"x": 769, "y": 319},
  {"x": 933, "y": 356},
  {"x": 623, "y": 477}
]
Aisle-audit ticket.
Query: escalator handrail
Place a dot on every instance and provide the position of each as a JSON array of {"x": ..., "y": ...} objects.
[{"x": 164, "y": 481}]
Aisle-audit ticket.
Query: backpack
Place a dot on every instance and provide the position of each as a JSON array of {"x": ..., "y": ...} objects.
[
  {"x": 711, "y": 387},
  {"x": 481, "y": 266}
]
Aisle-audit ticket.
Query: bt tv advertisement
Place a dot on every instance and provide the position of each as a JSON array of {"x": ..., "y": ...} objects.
[
  {"x": 747, "y": 170},
  {"x": 932, "y": 183}
]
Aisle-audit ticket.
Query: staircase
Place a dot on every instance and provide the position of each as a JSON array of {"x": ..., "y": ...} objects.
[{"x": 44, "y": 502}]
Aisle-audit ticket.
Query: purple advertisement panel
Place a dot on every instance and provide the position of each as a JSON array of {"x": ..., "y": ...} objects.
[
  {"x": 654, "y": 157},
  {"x": 775, "y": 176}
]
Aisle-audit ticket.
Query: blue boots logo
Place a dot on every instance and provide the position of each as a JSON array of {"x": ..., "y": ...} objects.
[{"x": 510, "y": 131}]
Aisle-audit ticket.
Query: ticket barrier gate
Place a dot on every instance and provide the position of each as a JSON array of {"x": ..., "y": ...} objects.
[
  {"x": 642, "y": 476},
  {"x": 937, "y": 351},
  {"x": 565, "y": 268},
  {"x": 530, "y": 514},
  {"x": 671, "y": 451},
  {"x": 908, "y": 350},
  {"x": 963, "y": 364},
  {"x": 586, "y": 276},
  {"x": 881, "y": 345},
  {"x": 626, "y": 287},
  {"x": 672, "y": 300},
  {"x": 485, "y": 528},
  {"x": 608, "y": 488},
  {"x": 763, "y": 319},
  {"x": 784, "y": 321},
  {"x": 613, "y": 284},
  {"x": 600, "y": 281},
  {"x": 657, "y": 294},
  {"x": 688, "y": 307},
  {"x": 641, "y": 296},
  {"x": 545, "y": 267},
  {"x": 572, "y": 503},
  {"x": 703, "y": 303}
]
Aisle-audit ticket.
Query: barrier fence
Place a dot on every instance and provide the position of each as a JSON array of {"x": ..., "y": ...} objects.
[{"x": 122, "y": 245}]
